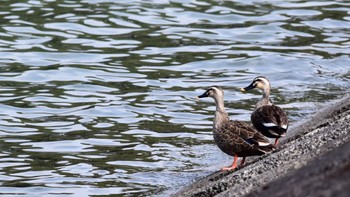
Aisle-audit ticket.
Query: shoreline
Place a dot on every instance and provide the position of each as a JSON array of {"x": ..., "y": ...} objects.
[{"x": 321, "y": 136}]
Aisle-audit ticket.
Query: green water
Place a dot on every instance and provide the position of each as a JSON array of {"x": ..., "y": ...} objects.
[{"x": 97, "y": 97}]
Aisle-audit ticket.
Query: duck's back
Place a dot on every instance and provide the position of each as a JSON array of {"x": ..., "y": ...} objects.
[{"x": 270, "y": 120}]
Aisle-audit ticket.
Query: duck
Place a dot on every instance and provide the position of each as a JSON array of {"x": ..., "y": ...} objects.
[
  {"x": 235, "y": 138},
  {"x": 267, "y": 118}
]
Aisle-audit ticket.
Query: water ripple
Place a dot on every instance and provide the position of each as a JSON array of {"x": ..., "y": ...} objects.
[{"x": 97, "y": 96}]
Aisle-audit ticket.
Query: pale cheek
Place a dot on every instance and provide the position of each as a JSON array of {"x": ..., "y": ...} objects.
[{"x": 260, "y": 86}]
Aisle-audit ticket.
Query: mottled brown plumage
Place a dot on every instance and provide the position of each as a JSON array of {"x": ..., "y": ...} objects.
[
  {"x": 267, "y": 118},
  {"x": 235, "y": 138}
]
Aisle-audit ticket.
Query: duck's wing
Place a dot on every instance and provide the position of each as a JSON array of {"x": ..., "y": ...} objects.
[
  {"x": 271, "y": 119},
  {"x": 238, "y": 138},
  {"x": 248, "y": 134}
]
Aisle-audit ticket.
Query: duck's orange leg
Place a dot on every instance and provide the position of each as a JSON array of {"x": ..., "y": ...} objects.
[
  {"x": 233, "y": 166},
  {"x": 276, "y": 141}
]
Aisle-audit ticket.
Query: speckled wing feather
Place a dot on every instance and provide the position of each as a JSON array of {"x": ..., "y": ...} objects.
[
  {"x": 236, "y": 137},
  {"x": 249, "y": 134},
  {"x": 270, "y": 120}
]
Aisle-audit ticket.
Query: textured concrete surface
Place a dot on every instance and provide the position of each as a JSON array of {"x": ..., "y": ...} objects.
[
  {"x": 313, "y": 161},
  {"x": 328, "y": 175}
]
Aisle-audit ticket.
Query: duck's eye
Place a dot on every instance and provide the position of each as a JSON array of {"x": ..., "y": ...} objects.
[{"x": 208, "y": 91}]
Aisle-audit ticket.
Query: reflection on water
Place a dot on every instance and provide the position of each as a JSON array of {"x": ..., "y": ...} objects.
[{"x": 97, "y": 95}]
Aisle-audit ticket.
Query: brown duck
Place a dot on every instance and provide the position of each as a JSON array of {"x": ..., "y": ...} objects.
[
  {"x": 267, "y": 118},
  {"x": 235, "y": 138}
]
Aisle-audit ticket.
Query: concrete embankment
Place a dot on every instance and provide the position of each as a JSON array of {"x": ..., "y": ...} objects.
[{"x": 314, "y": 160}]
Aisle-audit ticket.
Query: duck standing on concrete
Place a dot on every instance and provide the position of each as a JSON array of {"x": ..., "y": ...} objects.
[
  {"x": 267, "y": 118},
  {"x": 235, "y": 138}
]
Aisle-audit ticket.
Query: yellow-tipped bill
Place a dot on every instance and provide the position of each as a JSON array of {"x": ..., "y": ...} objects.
[{"x": 251, "y": 86}]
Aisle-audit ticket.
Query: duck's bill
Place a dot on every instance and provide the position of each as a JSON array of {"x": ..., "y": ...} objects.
[
  {"x": 205, "y": 94},
  {"x": 251, "y": 86}
]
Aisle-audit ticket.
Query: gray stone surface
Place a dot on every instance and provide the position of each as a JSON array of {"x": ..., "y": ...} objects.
[
  {"x": 313, "y": 161},
  {"x": 328, "y": 175}
]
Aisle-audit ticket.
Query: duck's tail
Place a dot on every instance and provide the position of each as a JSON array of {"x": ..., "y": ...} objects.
[{"x": 267, "y": 148}]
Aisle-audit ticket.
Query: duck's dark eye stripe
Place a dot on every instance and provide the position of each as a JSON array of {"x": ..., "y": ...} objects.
[{"x": 257, "y": 80}]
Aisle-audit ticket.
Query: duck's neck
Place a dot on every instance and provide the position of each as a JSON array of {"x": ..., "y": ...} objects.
[
  {"x": 265, "y": 100},
  {"x": 220, "y": 113}
]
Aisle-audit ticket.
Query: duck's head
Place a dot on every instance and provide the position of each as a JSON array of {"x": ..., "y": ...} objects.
[
  {"x": 259, "y": 82},
  {"x": 213, "y": 92}
]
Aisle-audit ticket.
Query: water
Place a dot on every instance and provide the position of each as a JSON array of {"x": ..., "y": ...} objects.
[{"x": 97, "y": 96}]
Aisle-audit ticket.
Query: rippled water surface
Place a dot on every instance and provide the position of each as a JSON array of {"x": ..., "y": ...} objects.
[{"x": 97, "y": 96}]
